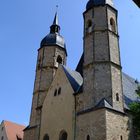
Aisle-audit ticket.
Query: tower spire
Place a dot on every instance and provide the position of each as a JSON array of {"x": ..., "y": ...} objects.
[
  {"x": 55, "y": 28},
  {"x": 55, "y": 21}
]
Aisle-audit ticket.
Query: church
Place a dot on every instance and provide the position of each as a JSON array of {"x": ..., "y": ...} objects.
[{"x": 92, "y": 102}]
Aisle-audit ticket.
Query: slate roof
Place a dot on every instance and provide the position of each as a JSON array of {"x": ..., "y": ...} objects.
[
  {"x": 54, "y": 38},
  {"x": 137, "y": 2},
  {"x": 129, "y": 89},
  {"x": 92, "y": 3},
  {"x": 74, "y": 78},
  {"x": 13, "y": 130},
  {"x": 103, "y": 103}
]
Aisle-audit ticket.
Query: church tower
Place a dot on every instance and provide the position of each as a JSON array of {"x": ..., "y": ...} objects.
[
  {"x": 51, "y": 53},
  {"x": 102, "y": 67},
  {"x": 100, "y": 108}
]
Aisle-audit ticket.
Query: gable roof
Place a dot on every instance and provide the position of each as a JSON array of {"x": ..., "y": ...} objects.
[
  {"x": 129, "y": 85},
  {"x": 13, "y": 130},
  {"x": 74, "y": 78}
]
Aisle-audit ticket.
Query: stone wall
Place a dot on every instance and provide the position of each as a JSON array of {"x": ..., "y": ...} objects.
[
  {"x": 93, "y": 124},
  {"x": 58, "y": 112},
  {"x": 118, "y": 126}
]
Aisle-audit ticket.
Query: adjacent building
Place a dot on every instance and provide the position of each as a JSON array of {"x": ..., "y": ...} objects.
[{"x": 11, "y": 131}]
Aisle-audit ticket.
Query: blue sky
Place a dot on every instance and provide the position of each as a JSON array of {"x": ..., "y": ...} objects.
[{"x": 23, "y": 23}]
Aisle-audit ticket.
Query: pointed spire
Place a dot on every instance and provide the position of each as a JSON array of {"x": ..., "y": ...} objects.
[
  {"x": 55, "y": 21},
  {"x": 55, "y": 28}
]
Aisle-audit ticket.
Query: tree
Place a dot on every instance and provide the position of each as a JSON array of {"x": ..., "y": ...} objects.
[{"x": 135, "y": 110}]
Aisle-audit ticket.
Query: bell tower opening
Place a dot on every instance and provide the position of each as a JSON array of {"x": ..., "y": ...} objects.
[{"x": 59, "y": 59}]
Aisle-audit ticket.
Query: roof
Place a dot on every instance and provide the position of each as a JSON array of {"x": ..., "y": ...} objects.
[
  {"x": 74, "y": 78},
  {"x": 129, "y": 86},
  {"x": 54, "y": 38},
  {"x": 55, "y": 21},
  {"x": 92, "y": 3},
  {"x": 13, "y": 130},
  {"x": 103, "y": 103},
  {"x": 137, "y": 2},
  {"x": 129, "y": 89}
]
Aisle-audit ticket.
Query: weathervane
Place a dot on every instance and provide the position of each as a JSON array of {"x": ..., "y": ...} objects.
[{"x": 56, "y": 8}]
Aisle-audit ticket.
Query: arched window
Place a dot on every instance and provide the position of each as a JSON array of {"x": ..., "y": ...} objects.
[
  {"x": 89, "y": 23},
  {"x": 117, "y": 97},
  {"x": 88, "y": 137},
  {"x": 55, "y": 92},
  {"x": 63, "y": 135},
  {"x": 59, "y": 91},
  {"x": 59, "y": 59},
  {"x": 113, "y": 25},
  {"x": 46, "y": 137},
  {"x": 89, "y": 26},
  {"x": 121, "y": 137}
]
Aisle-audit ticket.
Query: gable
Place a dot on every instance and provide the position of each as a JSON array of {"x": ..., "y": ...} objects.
[{"x": 58, "y": 108}]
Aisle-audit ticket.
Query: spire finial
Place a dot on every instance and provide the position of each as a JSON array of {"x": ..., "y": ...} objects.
[
  {"x": 56, "y": 8},
  {"x": 55, "y": 28},
  {"x": 55, "y": 22}
]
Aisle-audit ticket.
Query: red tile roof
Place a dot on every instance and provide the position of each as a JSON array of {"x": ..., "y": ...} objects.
[{"x": 13, "y": 130}]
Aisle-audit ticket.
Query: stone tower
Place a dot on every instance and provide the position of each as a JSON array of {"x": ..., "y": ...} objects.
[
  {"x": 100, "y": 110},
  {"x": 101, "y": 68},
  {"x": 51, "y": 53}
]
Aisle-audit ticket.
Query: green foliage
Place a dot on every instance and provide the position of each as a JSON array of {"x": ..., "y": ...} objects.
[
  {"x": 135, "y": 110},
  {"x": 138, "y": 91}
]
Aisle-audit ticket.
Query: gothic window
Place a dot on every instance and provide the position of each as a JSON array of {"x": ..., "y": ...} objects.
[
  {"x": 117, "y": 96},
  {"x": 59, "y": 91},
  {"x": 121, "y": 137},
  {"x": 89, "y": 26},
  {"x": 63, "y": 135},
  {"x": 55, "y": 92},
  {"x": 112, "y": 24},
  {"x": 46, "y": 137},
  {"x": 88, "y": 137},
  {"x": 59, "y": 59}
]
